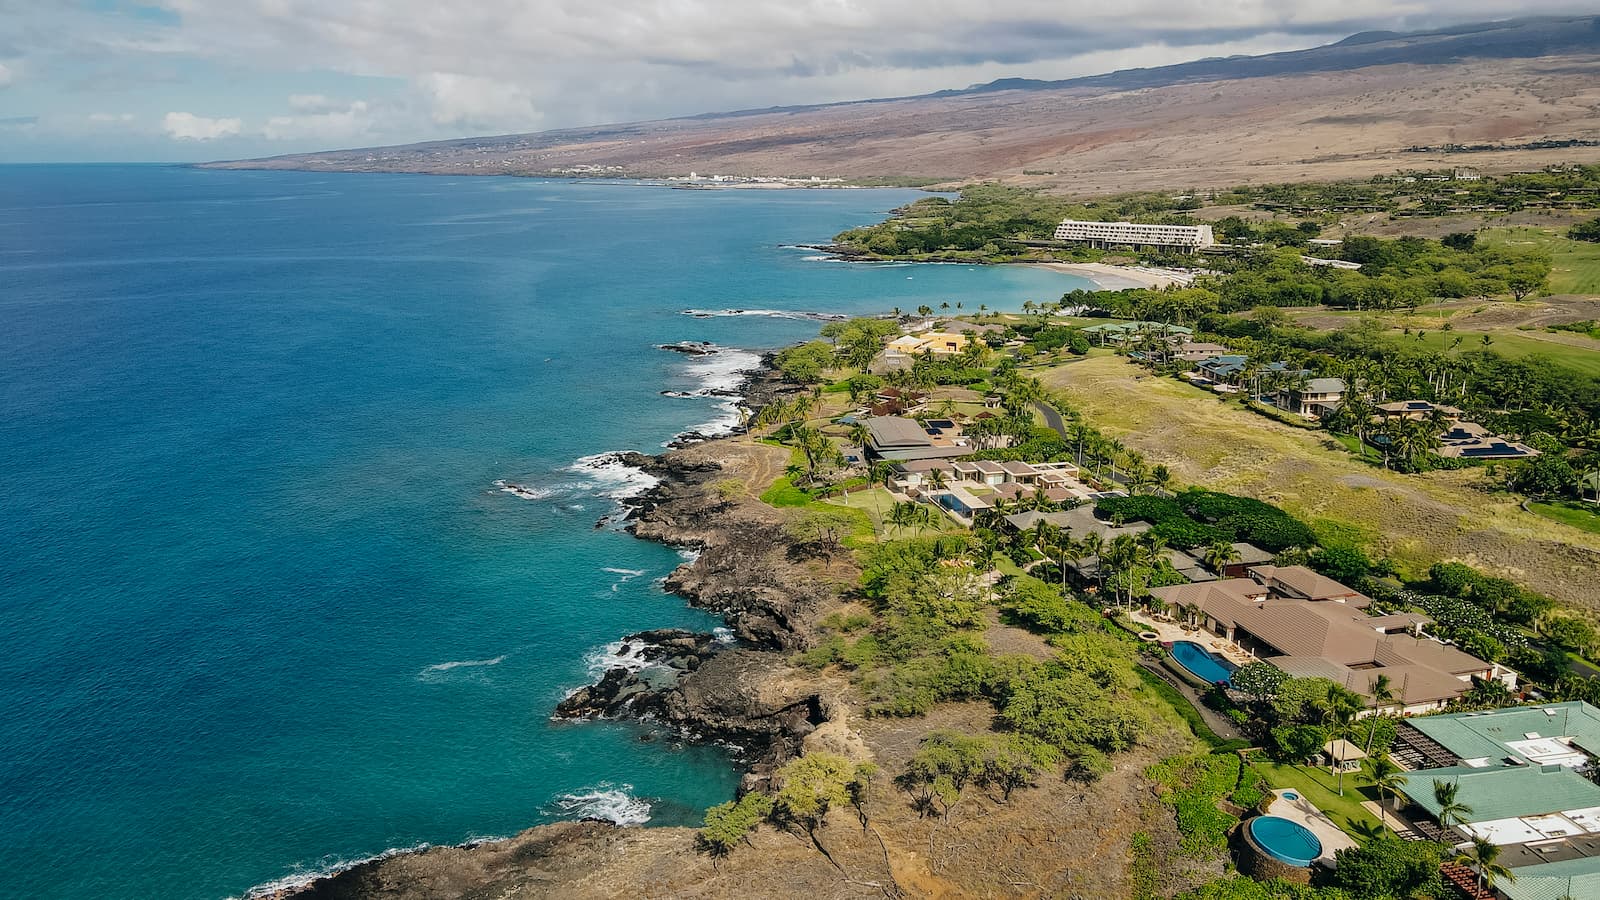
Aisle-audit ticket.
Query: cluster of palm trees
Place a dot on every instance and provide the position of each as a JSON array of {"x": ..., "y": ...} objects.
[
  {"x": 1404, "y": 439},
  {"x": 1124, "y": 562},
  {"x": 816, "y": 448},
  {"x": 913, "y": 515}
]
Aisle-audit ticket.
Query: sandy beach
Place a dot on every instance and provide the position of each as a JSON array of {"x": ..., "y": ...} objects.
[{"x": 1121, "y": 278}]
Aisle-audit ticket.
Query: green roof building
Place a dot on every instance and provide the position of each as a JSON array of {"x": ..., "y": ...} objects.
[
  {"x": 1564, "y": 734},
  {"x": 1574, "y": 878},
  {"x": 1505, "y": 792}
]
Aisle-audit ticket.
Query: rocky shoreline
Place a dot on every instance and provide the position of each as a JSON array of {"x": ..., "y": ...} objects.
[{"x": 702, "y": 685}]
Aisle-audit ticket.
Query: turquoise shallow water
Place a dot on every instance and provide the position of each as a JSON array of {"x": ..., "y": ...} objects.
[{"x": 266, "y": 608}]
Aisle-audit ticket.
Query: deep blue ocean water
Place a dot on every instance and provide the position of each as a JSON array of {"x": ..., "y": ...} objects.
[{"x": 265, "y": 608}]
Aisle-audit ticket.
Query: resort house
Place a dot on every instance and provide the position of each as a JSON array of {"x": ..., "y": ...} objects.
[
  {"x": 898, "y": 439},
  {"x": 901, "y": 350},
  {"x": 1311, "y": 626},
  {"x": 1314, "y": 398},
  {"x": 1469, "y": 440},
  {"x": 1416, "y": 410},
  {"x": 1187, "y": 238},
  {"x": 1518, "y": 771}
]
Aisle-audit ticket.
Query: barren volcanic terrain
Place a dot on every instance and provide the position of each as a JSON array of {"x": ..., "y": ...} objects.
[{"x": 1347, "y": 110}]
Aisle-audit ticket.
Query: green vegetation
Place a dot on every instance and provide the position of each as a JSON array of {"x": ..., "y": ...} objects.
[
  {"x": 989, "y": 222},
  {"x": 729, "y": 824},
  {"x": 784, "y": 493},
  {"x": 1426, "y": 193},
  {"x": 808, "y": 788},
  {"x": 1576, "y": 263},
  {"x": 1192, "y": 785},
  {"x": 1510, "y": 345},
  {"x": 1584, "y": 516},
  {"x": 1198, "y": 517}
]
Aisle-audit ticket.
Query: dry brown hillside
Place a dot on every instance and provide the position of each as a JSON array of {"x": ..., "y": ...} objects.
[{"x": 1280, "y": 128}]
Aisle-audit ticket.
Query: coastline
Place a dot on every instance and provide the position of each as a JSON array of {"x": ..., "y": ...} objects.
[
  {"x": 1120, "y": 278},
  {"x": 1105, "y": 276},
  {"x": 705, "y": 686}
]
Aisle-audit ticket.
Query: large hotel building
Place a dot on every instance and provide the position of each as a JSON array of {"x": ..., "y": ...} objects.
[{"x": 1127, "y": 234}]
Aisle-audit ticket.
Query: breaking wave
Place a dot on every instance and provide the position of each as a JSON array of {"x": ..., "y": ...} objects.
[
  {"x": 766, "y": 313},
  {"x": 465, "y": 663},
  {"x": 616, "y": 655},
  {"x": 614, "y": 803},
  {"x": 613, "y": 477},
  {"x": 297, "y": 880}
]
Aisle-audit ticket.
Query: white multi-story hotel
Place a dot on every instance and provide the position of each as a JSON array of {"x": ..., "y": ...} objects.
[{"x": 1127, "y": 234}]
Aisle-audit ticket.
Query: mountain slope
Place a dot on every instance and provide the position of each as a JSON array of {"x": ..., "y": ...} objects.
[{"x": 1350, "y": 108}]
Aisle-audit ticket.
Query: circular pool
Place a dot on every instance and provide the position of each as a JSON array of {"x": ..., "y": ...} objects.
[{"x": 1284, "y": 840}]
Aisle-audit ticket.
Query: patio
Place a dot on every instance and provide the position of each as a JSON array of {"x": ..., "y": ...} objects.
[{"x": 1168, "y": 631}]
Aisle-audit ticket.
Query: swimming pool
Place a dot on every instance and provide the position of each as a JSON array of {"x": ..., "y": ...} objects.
[
  {"x": 1284, "y": 840},
  {"x": 1201, "y": 663}
]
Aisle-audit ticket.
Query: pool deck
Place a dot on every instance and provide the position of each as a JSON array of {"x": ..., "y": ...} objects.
[
  {"x": 1169, "y": 632},
  {"x": 1306, "y": 813}
]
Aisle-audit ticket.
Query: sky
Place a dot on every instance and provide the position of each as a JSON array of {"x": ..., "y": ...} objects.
[{"x": 192, "y": 80}]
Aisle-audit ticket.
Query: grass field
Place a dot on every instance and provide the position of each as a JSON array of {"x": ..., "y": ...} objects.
[
  {"x": 1574, "y": 351},
  {"x": 1576, "y": 263},
  {"x": 1322, "y": 788},
  {"x": 1584, "y": 516},
  {"x": 1415, "y": 519}
]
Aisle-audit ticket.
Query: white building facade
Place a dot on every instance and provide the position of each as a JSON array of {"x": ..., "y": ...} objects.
[{"x": 1128, "y": 234}]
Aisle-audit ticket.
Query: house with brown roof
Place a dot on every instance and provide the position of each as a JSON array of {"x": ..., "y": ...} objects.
[
  {"x": 1304, "y": 584},
  {"x": 1416, "y": 410},
  {"x": 1311, "y": 626},
  {"x": 1249, "y": 555}
]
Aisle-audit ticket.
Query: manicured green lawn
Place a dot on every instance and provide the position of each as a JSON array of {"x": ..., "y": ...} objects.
[
  {"x": 1579, "y": 358},
  {"x": 875, "y": 504},
  {"x": 1576, "y": 267},
  {"x": 1322, "y": 788},
  {"x": 784, "y": 493},
  {"x": 1585, "y": 515}
]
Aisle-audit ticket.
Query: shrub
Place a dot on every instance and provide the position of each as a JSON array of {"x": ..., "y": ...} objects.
[
  {"x": 1039, "y": 607},
  {"x": 729, "y": 823},
  {"x": 1389, "y": 867}
]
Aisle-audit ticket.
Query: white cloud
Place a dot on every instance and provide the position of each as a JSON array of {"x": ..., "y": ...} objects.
[
  {"x": 476, "y": 102},
  {"x": 183, "y": 126},
  {"x": 515, "y": 65},
  {"x": 321, "y": 119},
  {"x": 311, "y": 103},
  {"x": 102, "y": 118},
  {"x": 5, "y": 76}
]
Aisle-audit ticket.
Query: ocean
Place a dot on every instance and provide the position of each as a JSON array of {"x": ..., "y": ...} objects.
[{"x": 301, "y": 479}]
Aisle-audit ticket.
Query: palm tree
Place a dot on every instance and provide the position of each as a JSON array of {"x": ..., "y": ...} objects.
[
  {"x": 937, "y": 479},
  {"x": 1482, "y": 857},
  {"x": 1219, "y": 554},
  {"x": 1388, "y": 778},
  {"x": 1191, "y": 611},
  {"x": 860, "y": 435},
  {"x": 902, "y": 514},
  {"x": 1451, "y": 811},
  {"x": 1382, "y": 695},
  {"x": 1161, "y": 477},
  {"x": 1338, "y": 711}
]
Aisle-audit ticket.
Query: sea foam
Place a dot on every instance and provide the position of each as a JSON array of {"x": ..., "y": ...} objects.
[
  {"x": 767, "y": 313},
  {"x": 614, "y": 803}
]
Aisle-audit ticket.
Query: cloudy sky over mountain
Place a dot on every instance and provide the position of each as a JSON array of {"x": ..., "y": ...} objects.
[{"x": 206, "y": 79}]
